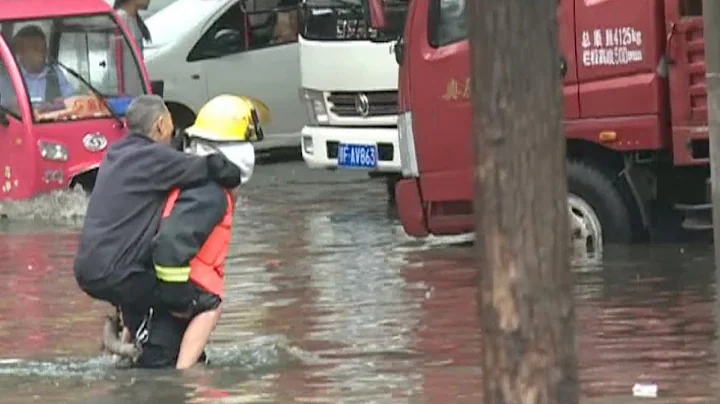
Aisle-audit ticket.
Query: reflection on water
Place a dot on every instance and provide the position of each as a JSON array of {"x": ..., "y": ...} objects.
[{"x": 328, "y": 301}]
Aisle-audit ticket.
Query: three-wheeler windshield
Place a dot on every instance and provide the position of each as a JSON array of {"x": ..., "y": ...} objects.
[{"x": 73, "y": 68}]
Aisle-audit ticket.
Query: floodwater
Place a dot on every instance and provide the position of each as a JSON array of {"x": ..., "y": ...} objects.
[{"x": 328, "y": 301}]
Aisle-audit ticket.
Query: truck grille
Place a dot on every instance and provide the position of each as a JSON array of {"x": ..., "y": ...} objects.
[{"x": 380, "y": 103}]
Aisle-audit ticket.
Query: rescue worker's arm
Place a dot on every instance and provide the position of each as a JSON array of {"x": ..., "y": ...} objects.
[
  {"x": 166, "y": 169},
  {"x": 181, "y": 235}
]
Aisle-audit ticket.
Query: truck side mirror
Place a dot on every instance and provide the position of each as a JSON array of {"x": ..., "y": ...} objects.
[
  {"x": 398, "y": 50},
  {"x": 375, "y": 13}
]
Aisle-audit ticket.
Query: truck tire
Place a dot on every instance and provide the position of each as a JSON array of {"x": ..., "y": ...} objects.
[{"x": 595, "y": 199}]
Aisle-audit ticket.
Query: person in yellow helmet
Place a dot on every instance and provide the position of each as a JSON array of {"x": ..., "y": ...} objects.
[{"x": 192, "y": 241}]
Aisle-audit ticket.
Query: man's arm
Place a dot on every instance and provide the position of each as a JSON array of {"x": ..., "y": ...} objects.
[
  {"x": 7, "y": 91},
  {"x": 66, "y": 89},
  {"x": 181, "y": 235},
  {"x": 166, "y": 168}
]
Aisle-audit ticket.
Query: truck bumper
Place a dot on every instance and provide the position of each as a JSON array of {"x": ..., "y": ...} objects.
[
  {"x": 320, "y": 144},
  {"x": 410, "y": 207},
  {"x": 439, "y": 203}
]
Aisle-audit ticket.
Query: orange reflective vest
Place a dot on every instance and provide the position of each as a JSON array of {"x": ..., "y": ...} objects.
[{"x": 207, "y": 268}]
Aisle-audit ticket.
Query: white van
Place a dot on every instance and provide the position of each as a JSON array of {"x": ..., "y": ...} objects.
[
  {"x": 203, "y": 48},
  {"x": 153, "y": 7}
]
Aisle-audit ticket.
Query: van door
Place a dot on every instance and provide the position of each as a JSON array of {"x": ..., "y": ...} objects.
[
  {"x": 17, "y": 165},
  {"x": 258, "y": 56}
]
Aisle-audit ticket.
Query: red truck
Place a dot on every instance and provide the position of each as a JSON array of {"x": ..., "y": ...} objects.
[{"x": 635, "y": 116}]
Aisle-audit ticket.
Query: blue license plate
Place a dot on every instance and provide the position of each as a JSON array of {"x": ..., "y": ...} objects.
[{"x": 357, "y": 155}]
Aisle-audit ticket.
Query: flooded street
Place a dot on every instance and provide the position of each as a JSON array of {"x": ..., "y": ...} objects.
[{"x": 328, "y": 301}]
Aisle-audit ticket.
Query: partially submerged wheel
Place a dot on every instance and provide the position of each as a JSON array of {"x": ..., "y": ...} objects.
[
  {"x": 85, "y": 180},
  {"x": 585, "y": 227},
  {"x": 600, "y": 212}
]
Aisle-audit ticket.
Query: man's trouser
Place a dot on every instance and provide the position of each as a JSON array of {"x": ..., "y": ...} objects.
[
  {"x": 159, "y": 333},
  {"x": 136, "y": 293}
]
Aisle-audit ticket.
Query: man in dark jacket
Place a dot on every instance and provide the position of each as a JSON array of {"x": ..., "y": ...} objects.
[
  {"x": 114, "y": 258},
  {"x": 192, "y": 242}
]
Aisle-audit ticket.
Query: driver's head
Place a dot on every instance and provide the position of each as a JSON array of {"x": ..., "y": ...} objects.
[
  {"x": 30, "y": 46},
  {"x": 147, "y": 115}
]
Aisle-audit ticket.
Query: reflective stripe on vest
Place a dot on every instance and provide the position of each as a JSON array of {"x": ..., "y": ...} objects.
[{"x": 207, "y": 268}]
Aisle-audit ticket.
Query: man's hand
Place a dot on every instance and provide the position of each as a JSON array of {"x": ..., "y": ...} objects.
[
  {"x": 223, "y": 171},
  {"x": 177, "y": 142}
]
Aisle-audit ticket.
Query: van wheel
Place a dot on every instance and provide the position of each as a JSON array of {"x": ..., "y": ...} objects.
[
  {"x": 182, "y": 116},
  {"x": 599, "y": 211}
]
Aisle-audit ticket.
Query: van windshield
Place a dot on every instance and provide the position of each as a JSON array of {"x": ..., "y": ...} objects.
[
  {"x": 345, "y": 20},
  {"x": 73, "y": 68}
]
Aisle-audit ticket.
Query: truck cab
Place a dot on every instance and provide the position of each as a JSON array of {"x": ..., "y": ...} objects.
[
  {"x": 635, "y": 116},
  {"x": 67, "y": 75},
  {"x": 349, "y": 87}
]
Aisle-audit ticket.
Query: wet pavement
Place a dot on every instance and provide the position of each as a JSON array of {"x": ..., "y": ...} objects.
[{"x": 328, "y": 301}]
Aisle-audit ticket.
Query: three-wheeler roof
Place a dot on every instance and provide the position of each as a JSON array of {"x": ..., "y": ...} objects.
[{"x": 32, "y": 9}]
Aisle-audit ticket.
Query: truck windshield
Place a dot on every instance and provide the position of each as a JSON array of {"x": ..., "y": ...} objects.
[
  {"x": 345, "y": 20},
  {"x": 73, "y": 68}
]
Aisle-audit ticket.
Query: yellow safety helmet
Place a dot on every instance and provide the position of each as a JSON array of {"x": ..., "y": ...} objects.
[{"x": 229, "y": 118}]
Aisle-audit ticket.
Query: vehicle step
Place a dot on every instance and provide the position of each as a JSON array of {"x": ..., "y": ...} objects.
[
  {"x": 686, "y": 207},
  {"x": 696, "y": 224}
]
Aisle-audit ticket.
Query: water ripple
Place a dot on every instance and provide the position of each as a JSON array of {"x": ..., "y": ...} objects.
[{"x": 329, "y": 301}]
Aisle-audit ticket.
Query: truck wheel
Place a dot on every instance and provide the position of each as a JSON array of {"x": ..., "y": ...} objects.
[{"x": 599, "y": 211}]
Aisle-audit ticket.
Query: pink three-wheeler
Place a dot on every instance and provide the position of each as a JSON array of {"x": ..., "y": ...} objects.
[{"x": 68, "y": 71}]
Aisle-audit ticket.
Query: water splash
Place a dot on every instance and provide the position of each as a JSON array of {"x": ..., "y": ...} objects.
[
  {"x": 259, "y": 355},
  {"x": 64, "y": 206}
]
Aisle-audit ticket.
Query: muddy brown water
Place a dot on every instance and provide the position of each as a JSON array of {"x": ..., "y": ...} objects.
[{"x": 328, "y": 301}]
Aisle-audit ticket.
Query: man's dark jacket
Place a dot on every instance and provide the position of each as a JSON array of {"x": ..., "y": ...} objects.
[{"x": 125, "y": 206}]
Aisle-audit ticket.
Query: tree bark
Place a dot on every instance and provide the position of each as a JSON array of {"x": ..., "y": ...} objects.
[
  {"x": 711, "y": 29},
  {"x": 525, "y": 300},
  {"x": 711, "y": 33}
]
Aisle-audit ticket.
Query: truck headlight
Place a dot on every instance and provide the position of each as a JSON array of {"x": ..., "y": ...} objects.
[
  {"x": 406, "y": 142},
  {"x": 307, "y": 144},
  {"x": 52, "y": 151},
  {"x": 315, "y": 105}
]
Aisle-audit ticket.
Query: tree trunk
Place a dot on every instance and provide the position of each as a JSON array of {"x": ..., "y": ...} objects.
[
  {"x": 711, "y": 29},
  {"x": 525, "y": 297}
]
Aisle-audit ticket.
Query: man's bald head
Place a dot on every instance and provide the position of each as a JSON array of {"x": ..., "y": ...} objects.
[{"x": 148, "y": 115}]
